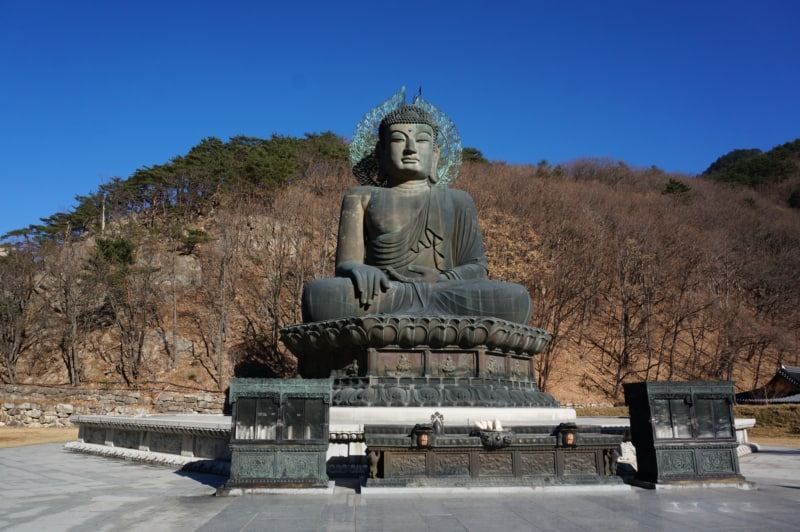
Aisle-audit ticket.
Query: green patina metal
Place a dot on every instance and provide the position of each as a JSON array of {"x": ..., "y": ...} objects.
[
  {"x": 431, "y": 454},
  {"x": 362, "y": 148},
  {"x": 683, "y": 431},
  {"x": 279, "y": 433},
  {"x": 411, "y": 273}
]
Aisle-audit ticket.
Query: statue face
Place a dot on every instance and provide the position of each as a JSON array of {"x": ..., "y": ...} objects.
[{"x": 409, "y": 152}]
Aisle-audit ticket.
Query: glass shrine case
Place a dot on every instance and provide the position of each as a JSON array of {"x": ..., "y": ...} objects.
[
  {"x": 683, "y": 430},
  {"x": 279, "y": 433}
]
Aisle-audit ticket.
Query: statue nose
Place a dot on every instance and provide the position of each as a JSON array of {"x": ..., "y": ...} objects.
[{"x": 411, "y": 145}]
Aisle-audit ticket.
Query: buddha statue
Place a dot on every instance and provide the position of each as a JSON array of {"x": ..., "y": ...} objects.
[{"x": 411, "y": 246}]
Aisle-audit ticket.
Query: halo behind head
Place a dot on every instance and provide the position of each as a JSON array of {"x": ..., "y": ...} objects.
[{"x": 366, "y": 136}]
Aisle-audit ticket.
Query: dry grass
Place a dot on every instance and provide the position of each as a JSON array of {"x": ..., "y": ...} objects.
[
  {"x": 602, "y": 411},
  {"x": 772, "y": 421},
  {"x": 787, "y": 441},
  {"x": 19, "y": 436}
]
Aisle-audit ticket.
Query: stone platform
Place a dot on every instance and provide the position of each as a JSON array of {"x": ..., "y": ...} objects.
[
  {"x": 201, "y": 442},
  {"x": 198, "y": 442}
]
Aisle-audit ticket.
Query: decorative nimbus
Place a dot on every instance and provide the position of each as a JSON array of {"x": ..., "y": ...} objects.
[{"x": 362, "y": 148}]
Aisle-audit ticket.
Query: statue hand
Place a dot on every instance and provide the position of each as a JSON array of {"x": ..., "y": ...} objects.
[
  {"x": 369, "y": 282},
  {"x": 426, "y": 275}
]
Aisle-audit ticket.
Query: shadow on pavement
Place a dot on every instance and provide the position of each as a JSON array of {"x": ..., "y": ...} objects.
[
  {"x": 208, "y": 479},
  {"x": 783, "y": 452}
]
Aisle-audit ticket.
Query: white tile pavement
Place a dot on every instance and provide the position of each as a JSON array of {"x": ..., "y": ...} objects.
[{"x": 44, "y": 488}]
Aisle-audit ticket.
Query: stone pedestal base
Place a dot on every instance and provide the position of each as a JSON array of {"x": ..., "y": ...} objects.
[
  {"x": 379, "y": 360},
  {"x": 439, "y": 392}
]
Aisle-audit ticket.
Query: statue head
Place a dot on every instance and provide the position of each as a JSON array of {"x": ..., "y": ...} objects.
[
  {"x": 407, "y": 114},
  {"x": 407, "y": 149}
]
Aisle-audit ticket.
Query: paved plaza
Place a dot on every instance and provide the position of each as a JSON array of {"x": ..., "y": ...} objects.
[{"x": 46, "y": 488}]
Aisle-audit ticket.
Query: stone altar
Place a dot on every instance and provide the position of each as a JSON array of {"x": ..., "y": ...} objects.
[{"x": 432, "y": 454}]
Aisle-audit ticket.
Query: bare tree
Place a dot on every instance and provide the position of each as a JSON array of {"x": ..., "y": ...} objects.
[
  {"x": 292, "y": 243},
  {"x": 73, "y": 303},
  {"x": 221, "y": 272},
  {"x": 128, "y": 285},
  {"x": 20, "y": 318}
]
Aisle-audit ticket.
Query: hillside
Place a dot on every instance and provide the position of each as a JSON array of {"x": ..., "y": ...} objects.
[{"x": 180, "y": 276}]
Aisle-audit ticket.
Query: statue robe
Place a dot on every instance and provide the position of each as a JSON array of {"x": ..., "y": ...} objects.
[{"x": 444, "y": 234}]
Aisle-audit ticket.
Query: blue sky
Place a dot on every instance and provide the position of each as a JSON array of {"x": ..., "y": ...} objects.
[{"x": 91, "y": 90}]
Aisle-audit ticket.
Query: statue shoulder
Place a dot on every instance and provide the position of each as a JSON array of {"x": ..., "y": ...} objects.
[
  {"x": 358, "y": 197},
  {"x": 361, "y": 190},
  {"x": 460, "y": 197}
]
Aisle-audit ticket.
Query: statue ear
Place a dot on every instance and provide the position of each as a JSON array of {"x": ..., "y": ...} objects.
[
  {"x": 378, "y": 156},
  {"x": 434, "y": 177},
  {"x": 380, "y": 151}
]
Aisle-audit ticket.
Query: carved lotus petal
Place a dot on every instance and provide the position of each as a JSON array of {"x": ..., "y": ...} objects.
[
  {"x": 540, "y": 342},
  {"x": 524, "y": 344},
  {"x": 383, "y": 334},
  {"x": 515, "y": 340},
  {"x": 459, "y": 395},
  {"x": 442, "y": 335},
  {"x": 369, "y": 322},
  {"x": 395, "y": 395},
  {"x": 363, "y": 396},
  {"x": 356, "y": 336},
  {"x": 497, "y": 337},
  {"x": 400, "y": 321},
  {"x": 517, "y": 396},
  {"x": 288, "y": 339},
  {"x": 501, "y": 396},
  {"x": 312, "y": 339},
  {"x": 412, "y": 335},
  {"x": 472, "y": 335},
  {"x": 427, "y": 395},
  {"x": 332, "y": 337}
]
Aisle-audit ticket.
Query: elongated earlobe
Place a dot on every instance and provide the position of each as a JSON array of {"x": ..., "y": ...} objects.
[{"x": 434, "y": 175}]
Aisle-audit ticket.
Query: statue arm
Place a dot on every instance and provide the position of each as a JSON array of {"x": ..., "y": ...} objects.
[
  {"x": 469, "y": 256},
  {"x": 432, "y": 275},
  {"x": 369, "y": 281},
  {"x": 466, "y": 271},
  {"x": 350, "y": 243}
]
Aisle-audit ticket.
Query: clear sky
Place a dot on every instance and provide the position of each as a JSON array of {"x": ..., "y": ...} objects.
[{"x": 91, "y": 90}]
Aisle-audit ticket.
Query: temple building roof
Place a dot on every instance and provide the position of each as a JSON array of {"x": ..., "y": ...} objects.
[{"x": 784, "y": 387}]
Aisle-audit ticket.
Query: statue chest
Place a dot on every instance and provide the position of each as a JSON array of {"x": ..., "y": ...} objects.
[
  {"x": 392, "y": 213},
  {"x": 402, "y": 230}
]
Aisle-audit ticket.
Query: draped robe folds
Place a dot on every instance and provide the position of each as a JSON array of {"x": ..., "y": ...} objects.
[{"x": 442, "y": 233}]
